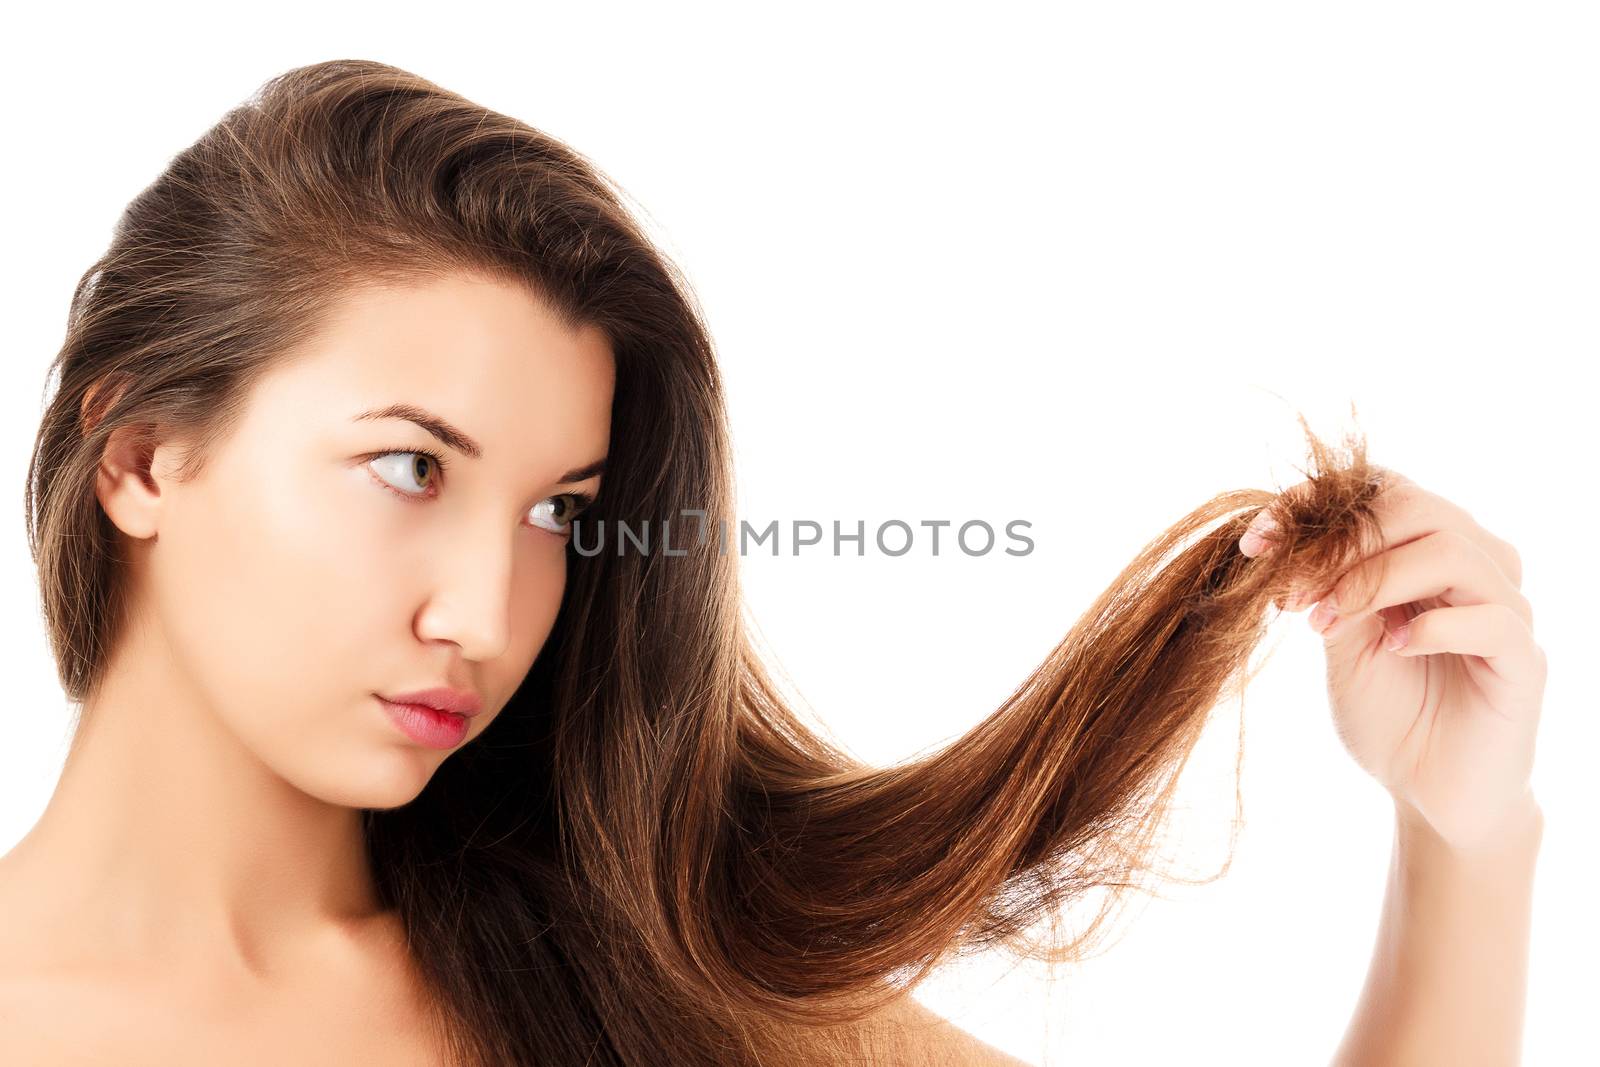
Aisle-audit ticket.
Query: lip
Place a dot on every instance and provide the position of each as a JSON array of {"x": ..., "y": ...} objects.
[
  {"x": 440, "y": 698},
  {"x": 426, "y": 725}
]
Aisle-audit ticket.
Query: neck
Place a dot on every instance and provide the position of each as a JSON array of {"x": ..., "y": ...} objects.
[{"x": 168, "y": 837}]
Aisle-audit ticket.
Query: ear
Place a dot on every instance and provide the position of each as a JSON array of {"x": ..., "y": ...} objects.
[
  {"x": 127, "y": 484},
  {"x": 134, "y": 466},
  {"x": 97, "y": 399}
]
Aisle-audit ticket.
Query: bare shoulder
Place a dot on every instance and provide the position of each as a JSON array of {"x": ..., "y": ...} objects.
[{"x": 906, "y": 1032}]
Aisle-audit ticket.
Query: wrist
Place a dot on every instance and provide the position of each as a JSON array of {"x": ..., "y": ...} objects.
[{"x": 1517, "y": 826}]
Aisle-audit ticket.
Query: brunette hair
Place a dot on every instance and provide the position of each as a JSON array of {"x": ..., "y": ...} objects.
[{"x": 648, "y": 858}]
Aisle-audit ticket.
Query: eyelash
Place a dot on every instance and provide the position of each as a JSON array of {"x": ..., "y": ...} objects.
[{"x": 580, "y": 501}]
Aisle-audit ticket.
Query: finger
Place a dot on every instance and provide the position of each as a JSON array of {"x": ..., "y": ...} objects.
[
  {"x": 1446, "y": 565},
  {"x": 1405, "y": 511},
  {"x": 1491, "y": 631},
  {"x": 1262, "y": 532}
]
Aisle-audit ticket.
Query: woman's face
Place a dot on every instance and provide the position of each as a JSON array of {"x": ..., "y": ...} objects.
[{"x": 300, "y": 574}]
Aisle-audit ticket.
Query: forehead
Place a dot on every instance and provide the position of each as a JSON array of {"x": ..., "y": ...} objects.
[
  {"x": 439, "y": 330},
  {"x": 485, "y": 354}
]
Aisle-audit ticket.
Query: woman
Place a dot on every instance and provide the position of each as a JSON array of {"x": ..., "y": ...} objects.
[{"x": 380, "y": 758}]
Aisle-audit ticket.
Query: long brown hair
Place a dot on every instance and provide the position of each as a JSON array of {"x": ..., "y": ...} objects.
[{"x": 647, "y": 859}]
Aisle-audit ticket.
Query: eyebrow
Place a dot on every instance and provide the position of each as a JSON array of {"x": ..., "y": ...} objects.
[{"x": 458, "y": 440}]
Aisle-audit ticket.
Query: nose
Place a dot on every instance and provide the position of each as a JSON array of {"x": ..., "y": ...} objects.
[{"x": 471, "y": 601}]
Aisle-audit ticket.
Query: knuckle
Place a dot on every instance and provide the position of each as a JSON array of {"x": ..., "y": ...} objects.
[
  {"x": 1399, "y": 492},
  {"x": 1510, "y": 561},
  {"x": 1345, "y": 592},
  {"x": 1482, "y": 543},
  {"x": 1503, "y": 552},
  {"x": 1511, "y": 619},
  {"x": 1390, "y": 477},
  {"x": 1458, "y": 544}
]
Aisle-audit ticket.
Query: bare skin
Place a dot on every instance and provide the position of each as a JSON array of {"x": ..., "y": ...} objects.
[
  {"x": 1446, "y": 722},
  {"x": 196, "y": 889},
  {"x": 348, "y": 1000}
]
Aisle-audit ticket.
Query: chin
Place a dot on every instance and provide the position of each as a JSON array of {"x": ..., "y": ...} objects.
[{"x": 391, "y": 781}]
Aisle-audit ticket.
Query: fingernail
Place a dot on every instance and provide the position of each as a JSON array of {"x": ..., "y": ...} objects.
[
  {"x": 1396, "y": 639},
  {"x": 1255, "y": 538},
  {"x": 1322, "y": 616}
]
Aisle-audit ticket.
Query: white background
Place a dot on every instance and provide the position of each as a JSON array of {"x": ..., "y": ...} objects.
[{"x": 1078, "y": 266}]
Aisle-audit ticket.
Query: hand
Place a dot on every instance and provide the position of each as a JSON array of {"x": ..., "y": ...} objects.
[{"x": 1447, "y": 720}]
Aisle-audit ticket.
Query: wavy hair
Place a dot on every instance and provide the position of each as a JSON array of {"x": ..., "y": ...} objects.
[{"x": 648, "y": 858}]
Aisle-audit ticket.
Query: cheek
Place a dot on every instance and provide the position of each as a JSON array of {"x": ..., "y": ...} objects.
[
  {"x": 535, "y": 602},
  {"x": 264, "y": 591}
]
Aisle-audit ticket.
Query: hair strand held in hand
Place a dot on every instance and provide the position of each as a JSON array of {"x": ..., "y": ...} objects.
[{"x": 648, "y": 859}]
